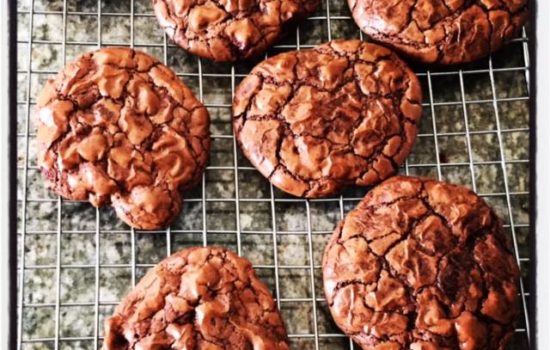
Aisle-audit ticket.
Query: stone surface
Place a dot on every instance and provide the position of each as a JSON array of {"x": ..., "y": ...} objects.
[{"x": 255, "y": 218}]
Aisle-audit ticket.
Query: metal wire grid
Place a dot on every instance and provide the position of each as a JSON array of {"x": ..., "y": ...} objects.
[{"x": 318, "y": 335}]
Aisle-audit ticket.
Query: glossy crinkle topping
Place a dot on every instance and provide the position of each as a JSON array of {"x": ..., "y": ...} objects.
[
  {"x": 422, "y": 265},
  {"x": 441, "y": 31},
  {"x": 314, "y": 121},
  {"x": 198, "y": 298},
  {"x": 116, "y": 126},
  {"x": 229, "y": 30}
]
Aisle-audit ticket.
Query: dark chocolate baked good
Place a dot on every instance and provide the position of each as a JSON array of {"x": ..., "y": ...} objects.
[
  {"x": 229, "y": 30},
  {"x": 314, "y": 121},
  {"x": 198, "y": 298},
  {"x": 441, "y": 31},
  {"x": 421, "y": 264},
  {"x": 117, "y": 126}
]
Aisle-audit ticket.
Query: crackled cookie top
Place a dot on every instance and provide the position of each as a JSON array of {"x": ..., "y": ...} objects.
[
  {"x": 441, "y": 31},
  {"x": 198, "y": 298},
  {"x": 313, "y": 121},
  {"x": 421, "y": 264},
  {"x": 228, "y": 30},
  {"x": 116, "y": 126}
]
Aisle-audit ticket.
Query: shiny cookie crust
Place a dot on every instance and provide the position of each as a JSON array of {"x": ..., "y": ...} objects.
[
  {"x": 423, "y": 265},
  {"x": 315, "y": 121},
  {"x": 441, "y": 31},
  {"x": 198, "y": 298},
  {"x": 118, "y": 127},
  {"x": 229, "y": 30}
]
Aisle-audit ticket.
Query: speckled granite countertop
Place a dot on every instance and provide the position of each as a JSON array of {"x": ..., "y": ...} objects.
[{"x": 91, "y": 253}]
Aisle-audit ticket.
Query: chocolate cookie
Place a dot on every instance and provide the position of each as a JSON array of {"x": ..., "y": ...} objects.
[
  {"x": 421, "y": 264},
  {"x": 229, "y": 30},
  {"x": 441, "y": 31},
  {"x": 314, "y": 121},
  {"x": 198, "y": 298},
  {"x": 117, "y": 126}
]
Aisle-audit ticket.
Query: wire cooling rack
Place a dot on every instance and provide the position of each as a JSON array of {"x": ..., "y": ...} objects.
[{"x": 76, "y": 262}]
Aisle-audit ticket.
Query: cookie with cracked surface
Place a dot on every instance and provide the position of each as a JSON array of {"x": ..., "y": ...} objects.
[
  {"x": 422, "y": 264},
  {"x": 229, "y": 30},
  {"x": 118, "y": 127},
  {"x": 441, "y": 31},
  {"x": 198, "y": 298},
  {"x": 315, "y": 121}
]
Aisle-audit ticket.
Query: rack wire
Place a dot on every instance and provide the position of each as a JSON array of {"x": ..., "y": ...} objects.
[{"x": 76, "y": 262}]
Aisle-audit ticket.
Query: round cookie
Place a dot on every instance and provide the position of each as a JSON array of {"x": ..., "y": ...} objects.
[
  {"x": 229, "y": 30},
  {"x": 421, "y": 264},
  {"x": 314, "y": 121},
  {"x": 441, "y": 31},
  {"x": 198, "y": 298},
  {"x": 117, "y": 126}
]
